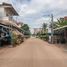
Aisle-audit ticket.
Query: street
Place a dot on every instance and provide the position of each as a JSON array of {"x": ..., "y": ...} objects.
[{"x": 33, "y": 53}]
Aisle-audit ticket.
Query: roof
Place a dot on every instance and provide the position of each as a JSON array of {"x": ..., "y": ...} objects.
[
  {"x": 10, "y": 7},
  {"x": 7, "y": 4},
  {"x": 60, "y": 28}
]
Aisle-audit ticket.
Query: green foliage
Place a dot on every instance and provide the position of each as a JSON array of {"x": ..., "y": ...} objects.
[
  {"x": 26, "y": 30},
  {"x": 60, "y": 23},
  {"x": 43, "y": 33},
  {"x": 25, "y": 27},
  {"x": 14, "y": 39},
  {"x": 44, "y": 26},
  {"x": 55, "y": 25}
]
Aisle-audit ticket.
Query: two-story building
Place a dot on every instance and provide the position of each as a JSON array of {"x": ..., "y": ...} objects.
[
  {"x": 7, "y": 10},
  {"x": 7, "y": 23}
]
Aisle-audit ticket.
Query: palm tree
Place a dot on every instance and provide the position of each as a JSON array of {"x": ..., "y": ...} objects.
[
  {"x": 55, "y": 25},
  {"x": 60, "y": 23}
]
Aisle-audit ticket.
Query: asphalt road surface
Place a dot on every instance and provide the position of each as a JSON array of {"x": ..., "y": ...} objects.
[{"x": 33, "y": 53}]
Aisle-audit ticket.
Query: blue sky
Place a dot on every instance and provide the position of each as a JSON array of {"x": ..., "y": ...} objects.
[{"x": 32, "y": 11}]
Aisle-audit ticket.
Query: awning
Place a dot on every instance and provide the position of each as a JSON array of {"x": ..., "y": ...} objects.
[{"x": 60, "y": 28}]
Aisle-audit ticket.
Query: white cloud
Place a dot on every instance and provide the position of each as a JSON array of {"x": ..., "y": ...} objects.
[
  {"x": 31, "y": 11},
  {"x": 26, "y": 10},
  {"x": 36, "y": 6},
  {"x": 7, "y": 1},
  {"x": 42, "y": 20},
  {"x": 38, "y": 23},
  {"x": 34, "y": 10}
]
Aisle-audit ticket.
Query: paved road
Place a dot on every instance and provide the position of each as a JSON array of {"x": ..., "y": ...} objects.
[{"x": 33, "y": 53}]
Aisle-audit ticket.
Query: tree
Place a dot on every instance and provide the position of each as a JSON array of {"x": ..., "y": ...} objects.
[
  {"x": 43, "y": 34},
  {"x": 60, "y": 23},
  {"x": 25, "y": 27},
  {"x": 44, "y": 26},
  {"x": 26, "y": 30},
  {"x": 55, "y": 25}
]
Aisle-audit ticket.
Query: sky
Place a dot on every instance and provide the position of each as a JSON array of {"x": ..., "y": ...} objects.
[{"x": 37, "y": 12}]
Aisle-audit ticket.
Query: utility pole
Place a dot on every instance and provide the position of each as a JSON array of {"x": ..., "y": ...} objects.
[
  {"x": 52, "y": 32},
  {"x": 51, "y": 29}
]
